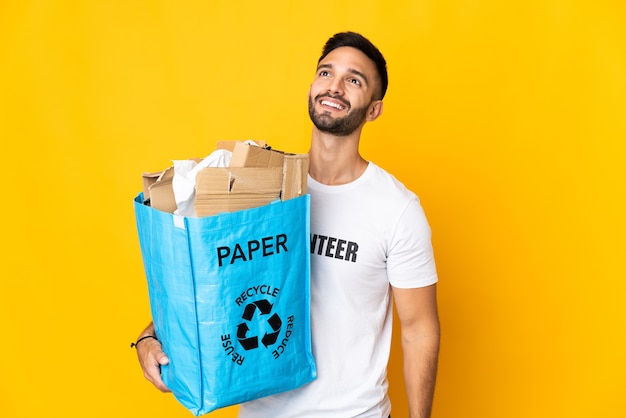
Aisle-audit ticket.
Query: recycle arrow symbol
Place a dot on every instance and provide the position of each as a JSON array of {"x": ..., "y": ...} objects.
[
  {"x": 275, "y": 322},
  {"x": 264, "y": 306},
  {"x": 247, "y": 343}
]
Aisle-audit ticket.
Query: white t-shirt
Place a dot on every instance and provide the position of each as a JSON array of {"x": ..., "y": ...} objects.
[{"x": 365, "y": 235}]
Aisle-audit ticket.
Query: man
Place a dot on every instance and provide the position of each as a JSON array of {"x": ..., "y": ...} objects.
[{"x": 353, "y": 200}]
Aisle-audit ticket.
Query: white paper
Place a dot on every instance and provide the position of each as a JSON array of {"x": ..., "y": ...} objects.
[{"x": 184, "y": 181}]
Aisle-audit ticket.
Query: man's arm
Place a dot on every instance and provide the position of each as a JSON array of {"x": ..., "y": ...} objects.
[
  {"x": 419, "y": 324},
  {"x": 151, "y": 357}
]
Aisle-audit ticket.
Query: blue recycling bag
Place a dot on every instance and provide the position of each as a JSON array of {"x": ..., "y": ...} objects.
[{"x": 229, "y": 297}]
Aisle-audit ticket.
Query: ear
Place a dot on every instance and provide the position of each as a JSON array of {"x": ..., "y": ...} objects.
[{"x": 375, "y": 110}]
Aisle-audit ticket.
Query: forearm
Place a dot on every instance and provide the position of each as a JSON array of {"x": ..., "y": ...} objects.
[
  {"x": 148, "y": 331},
  {"x": 419, "y": 322},
  {"x": 420, "y": 371}
]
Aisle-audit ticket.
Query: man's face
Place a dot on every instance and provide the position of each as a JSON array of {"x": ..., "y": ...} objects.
[{"x": 342, "y": 91}]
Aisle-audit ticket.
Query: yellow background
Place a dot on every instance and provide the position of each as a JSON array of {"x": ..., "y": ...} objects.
[{"x": 507, "y": 118}]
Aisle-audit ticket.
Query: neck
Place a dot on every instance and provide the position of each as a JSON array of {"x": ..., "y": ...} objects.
[{"x": 335, "y": 160}]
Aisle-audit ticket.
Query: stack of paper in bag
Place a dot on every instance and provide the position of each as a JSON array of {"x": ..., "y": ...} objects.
[{"x": 256, "y": 175}]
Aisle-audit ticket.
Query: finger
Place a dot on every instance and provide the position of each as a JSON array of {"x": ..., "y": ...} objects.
[
  {"x": 151, "y": 358},
  {"x": 153, "y": 375},
  {"x": 162, "y": 359}
]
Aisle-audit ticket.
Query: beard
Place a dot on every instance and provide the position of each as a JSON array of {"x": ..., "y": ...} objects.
[{"x": 343, "y": 126}]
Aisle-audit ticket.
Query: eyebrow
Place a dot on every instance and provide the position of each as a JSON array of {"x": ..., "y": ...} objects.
[{"x": 351, "y": 70}]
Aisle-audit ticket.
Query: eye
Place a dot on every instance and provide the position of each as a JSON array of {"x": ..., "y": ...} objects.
[
  {"x": 324, "y": 73},
  {"x": 355, "y": 81}
]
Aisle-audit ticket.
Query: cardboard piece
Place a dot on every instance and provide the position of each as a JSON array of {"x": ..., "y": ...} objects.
[
  {"x": 295, "y": 166},
  {"x": 230, "y": 189},
  {"x": 245, "y": 155},
  {"x": 159, "y": 190},
  {"x": 295, "y": 175},
  {"x": 258, "y": 176},
  {"x": 229, "y": 145}
]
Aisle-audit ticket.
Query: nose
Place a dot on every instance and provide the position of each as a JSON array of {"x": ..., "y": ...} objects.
[{"x": 336, "y": 87}]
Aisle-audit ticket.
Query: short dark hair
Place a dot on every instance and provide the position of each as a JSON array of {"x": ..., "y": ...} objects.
[{"x": 358, "y": 41}]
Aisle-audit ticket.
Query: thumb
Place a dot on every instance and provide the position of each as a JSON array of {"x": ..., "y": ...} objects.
[{"x": 163, "y": 360}]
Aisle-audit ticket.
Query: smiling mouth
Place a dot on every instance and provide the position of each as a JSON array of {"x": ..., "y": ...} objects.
[
  {"x": 335, "y": 103},
  {"x": 332, "y": 104}
]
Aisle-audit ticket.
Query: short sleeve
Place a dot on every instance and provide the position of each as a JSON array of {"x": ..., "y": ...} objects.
[{"x": 410, "y": 258}]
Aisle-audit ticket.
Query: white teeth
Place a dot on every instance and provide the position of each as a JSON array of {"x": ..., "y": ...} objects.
[{"x": 332, "y": 104}]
